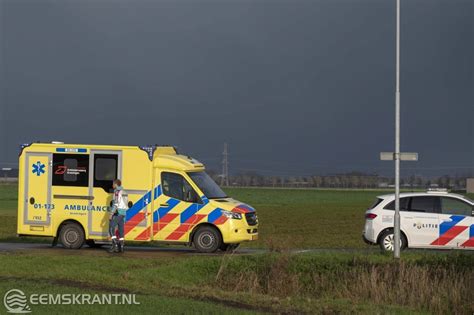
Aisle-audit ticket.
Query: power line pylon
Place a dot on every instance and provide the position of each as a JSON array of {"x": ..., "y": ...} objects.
[{"x": 225, "y": 166}]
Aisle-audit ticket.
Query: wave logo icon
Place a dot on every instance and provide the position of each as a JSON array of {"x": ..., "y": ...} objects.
[{"x": 15, "y": 302}]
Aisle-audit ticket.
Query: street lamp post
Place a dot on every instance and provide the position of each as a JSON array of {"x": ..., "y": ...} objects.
[
  {"x": 396, "y": 236},
  {"x": 397, "y": 156}
]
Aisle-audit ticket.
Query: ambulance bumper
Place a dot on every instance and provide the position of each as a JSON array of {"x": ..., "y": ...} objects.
[
  {"x": 242, "y": 235},
  {"x": 239, "y": 231}
]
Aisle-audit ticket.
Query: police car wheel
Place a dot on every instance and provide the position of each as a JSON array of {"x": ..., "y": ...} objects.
[
  {"x": 386, "y": 241},
  {"x": 71, "y": 236},
  {"x": 207, "y": 239}
]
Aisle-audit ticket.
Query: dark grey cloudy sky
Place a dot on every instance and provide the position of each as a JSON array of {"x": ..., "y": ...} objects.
[{"x": 294, "y": 87}]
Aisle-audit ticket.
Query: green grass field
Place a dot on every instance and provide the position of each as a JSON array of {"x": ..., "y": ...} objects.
[
  {"x": 289, "y": 218},
  {"x": 295, "y": 218},
  {"x": 275, "y": 282}
]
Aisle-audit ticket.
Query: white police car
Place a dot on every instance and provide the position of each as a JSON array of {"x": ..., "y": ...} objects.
[{"x": 433, "y": 219}]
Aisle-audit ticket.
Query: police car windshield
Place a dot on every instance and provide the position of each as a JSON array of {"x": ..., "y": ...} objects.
[{"x": 210, "y": 189}]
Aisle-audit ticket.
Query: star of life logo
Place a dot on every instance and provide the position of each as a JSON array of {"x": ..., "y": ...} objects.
[
  {"x": 38, "y": 168},
  {"x": 17, "y": 302}
]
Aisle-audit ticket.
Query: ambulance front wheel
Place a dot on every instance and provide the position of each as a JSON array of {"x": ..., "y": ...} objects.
[
  {"x": 207, "y": 239},
  {"x": 72, "y": 236}
]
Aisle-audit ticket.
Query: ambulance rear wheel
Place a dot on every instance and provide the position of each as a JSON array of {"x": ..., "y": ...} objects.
[
  {"x": 72, "y": 236},
  {"x": 207, "y": 239}
]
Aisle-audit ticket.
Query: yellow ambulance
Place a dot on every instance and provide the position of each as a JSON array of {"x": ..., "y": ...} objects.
[{"x": 65, "y": 192}]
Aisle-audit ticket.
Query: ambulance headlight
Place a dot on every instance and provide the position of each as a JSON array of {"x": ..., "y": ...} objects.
[{"x": 232, "y": 215}]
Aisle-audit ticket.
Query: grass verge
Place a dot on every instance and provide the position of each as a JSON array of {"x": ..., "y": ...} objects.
[{"x": 275, "y": 283}]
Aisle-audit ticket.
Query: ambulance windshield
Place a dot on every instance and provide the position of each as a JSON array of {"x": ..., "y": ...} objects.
[{"x": 210, "y": 189}]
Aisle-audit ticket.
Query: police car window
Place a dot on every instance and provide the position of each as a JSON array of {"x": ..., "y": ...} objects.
[
  {"x": 424, "y": 204},
  {"x": 403, "y": 204},
  {"x": 176, "y": 186},
  {"x": 105, "y": 170},
  {"x": 70, "y": 170},
  {"x": 375, "y": 203},
  {"x": 455, "y": 206}
]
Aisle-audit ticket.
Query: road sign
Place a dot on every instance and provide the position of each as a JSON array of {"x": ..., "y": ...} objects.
[{"x": 404, "y": 156}]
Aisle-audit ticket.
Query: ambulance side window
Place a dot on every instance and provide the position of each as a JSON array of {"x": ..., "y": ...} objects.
[
  {"x": 105, "y": 171},
  {"x": 71, "y": 170},
  {"x": 176, "y": 186}
]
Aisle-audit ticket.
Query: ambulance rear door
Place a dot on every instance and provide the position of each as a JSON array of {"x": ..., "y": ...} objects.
[{"x": 37, "y": 193}]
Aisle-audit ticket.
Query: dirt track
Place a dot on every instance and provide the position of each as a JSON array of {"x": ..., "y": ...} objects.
[
  {"x": 130, "y": 251},
  {"x": 146, "y": 251},
  {"x": 178, "y": 251}
]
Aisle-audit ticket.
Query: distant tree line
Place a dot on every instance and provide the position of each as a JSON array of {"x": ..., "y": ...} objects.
[{"x": 345, "y": 180}]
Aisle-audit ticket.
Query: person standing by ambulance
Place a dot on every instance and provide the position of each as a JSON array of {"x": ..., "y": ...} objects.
[{"x": 119, "y": 210}]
